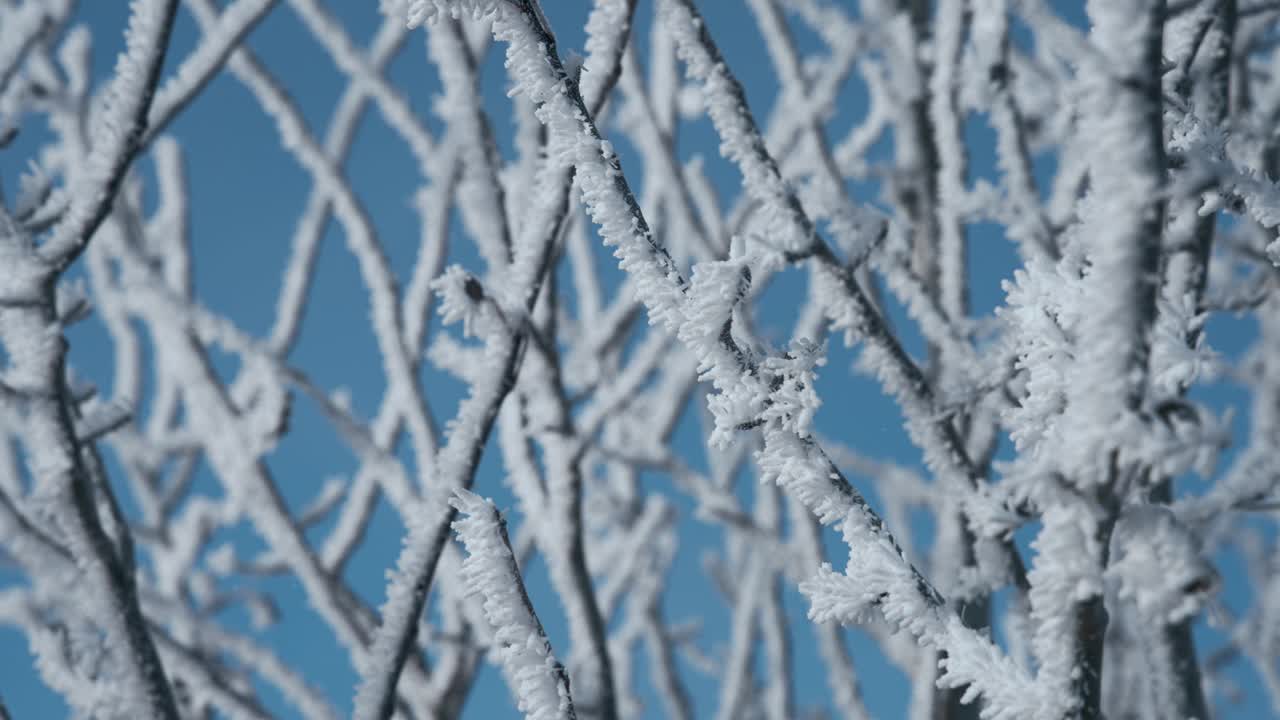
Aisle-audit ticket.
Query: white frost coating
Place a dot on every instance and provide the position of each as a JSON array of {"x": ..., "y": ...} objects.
[
  {"x": 1067, "y": 573},
  {"x": 1042, "y": 309},
  {"x": 935, "y": 320},
  {"x": 360, "y": 234},
  {"x": 462, "y": 298},
  {"x": 480, "y": 195},
  {"x": 878, "y": 582},
  {"x": 780, "y": 218},
  {"x": 393, "y": 104},
  {"x": 199, "y": 67},
  {"x": 1175, "y": 366},
  {"x": 453, "y": 470},
  {"x": 795, "y": 399},
  {"x": 19, "y": 27},
  {"x": 49, "y": 646},
  {"x": 607, "y": 28},
  {"x": 787, "y": 228},
  {"x": 949, "y": 35},
  {"x": 1121, "y": 224},
  {"x": 1080, "y": 420},
  {"x": 104, "y": 624},
  {"x": 715, "y": 291},
  {"x": 536, "y": 678},
  {"x": 1156, "y": 564},
  {"x": 575, "y": 142},
  {"x": 116, "y": 135},
  {"x": 857, "y": 231}
]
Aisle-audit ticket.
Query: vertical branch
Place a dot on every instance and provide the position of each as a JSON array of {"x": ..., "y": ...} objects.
[
  {"x": 906, "y": 28},
  {"x": 562, "y": 535},
  {"x": 737, "y": 685},
  {"x": 954, "y": 547},
  {"x": 1122, "y": 117},
  {"x": 1186, "y": 274},
  {"x": 481, "y": 201},
  {"x": 1123, "y": 222},
  {"x": 950, "y": 34},
  {"x": 779, "y": 699},
  {"x": 1186, "y": 269},
  {"x": 1029, "y": 226}
]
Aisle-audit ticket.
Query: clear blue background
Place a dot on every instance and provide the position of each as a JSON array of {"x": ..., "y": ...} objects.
[{"x": 246, "y": 193}]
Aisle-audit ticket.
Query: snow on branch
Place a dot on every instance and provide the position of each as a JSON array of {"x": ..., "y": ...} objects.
[
  {"x": 198, "y": 68},
  {"x": 121, "y": 125},
  {"x": 537, "y": 679}
]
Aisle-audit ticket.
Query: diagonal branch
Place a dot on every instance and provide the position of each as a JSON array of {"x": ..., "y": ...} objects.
[
  {"x": 537, "y": 679},
  {"x": 123, "y": 124}
]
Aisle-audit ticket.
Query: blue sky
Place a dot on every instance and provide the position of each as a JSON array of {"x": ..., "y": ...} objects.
[{"x": 246, "y": 195}]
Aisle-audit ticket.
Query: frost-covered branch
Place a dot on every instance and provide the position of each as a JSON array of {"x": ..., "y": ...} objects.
[
  {"x": 1031, "y": 226},
  {"x": 117, "y": 139},
  {"x": 537, "y": 679}
]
